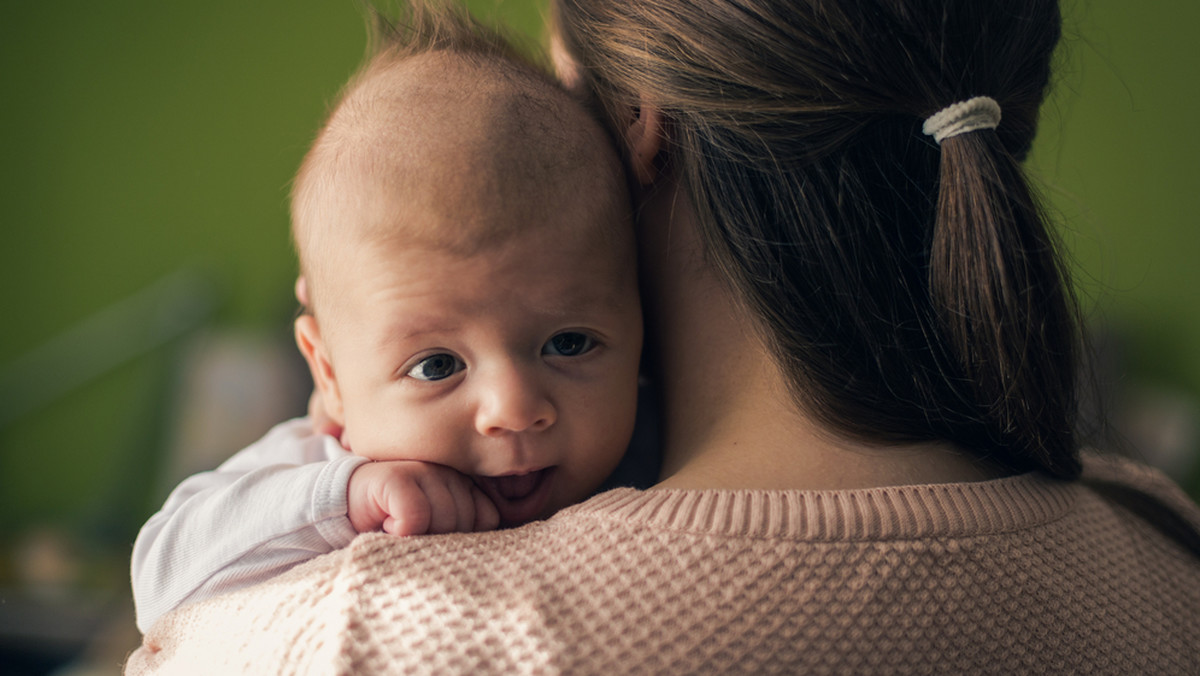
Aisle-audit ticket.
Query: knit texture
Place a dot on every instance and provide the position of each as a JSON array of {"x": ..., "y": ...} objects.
[{"x": 1018, "y": 575}]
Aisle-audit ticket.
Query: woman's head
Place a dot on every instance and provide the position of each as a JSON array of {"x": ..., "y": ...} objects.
[{"x": 909, "y": 291}]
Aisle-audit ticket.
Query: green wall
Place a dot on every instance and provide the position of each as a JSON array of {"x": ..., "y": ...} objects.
[
  {"x": 1120, "y": 149},
  {"x": 1117, "y": 154},
  {"x": 140, "y": 138}
]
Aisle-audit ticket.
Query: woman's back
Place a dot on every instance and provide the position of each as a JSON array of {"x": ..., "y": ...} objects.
[{"x": 1018, "y": 575}]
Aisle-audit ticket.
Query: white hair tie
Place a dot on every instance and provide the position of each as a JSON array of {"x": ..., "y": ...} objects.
[{"x": 981, "y": 112}]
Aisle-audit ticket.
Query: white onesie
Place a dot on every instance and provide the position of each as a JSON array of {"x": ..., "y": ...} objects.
[{"x": 273, "y": 505}]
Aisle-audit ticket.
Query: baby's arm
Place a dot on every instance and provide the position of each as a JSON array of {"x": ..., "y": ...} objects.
[
  {"x": 288, "y": 498},
  {"x": 275, "y": 504}
]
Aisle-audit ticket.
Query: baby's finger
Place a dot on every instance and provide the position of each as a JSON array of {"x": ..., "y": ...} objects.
[
  {"x": 409, "y": 512},
  {"x": 443, "y": 518},
  {"x": 487, "y": 517},
  {"x": 464, "y": 503}
]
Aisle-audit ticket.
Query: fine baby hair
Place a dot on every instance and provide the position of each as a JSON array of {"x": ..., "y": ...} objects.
[
  {"x": 910, "y": 289},
  {"x": 394, "y": 36}
]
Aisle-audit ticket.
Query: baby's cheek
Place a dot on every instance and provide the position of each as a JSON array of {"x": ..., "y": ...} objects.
[
  {"x": 609, "y": 442},
  {"x": 376, "y": 425},
  {"x": 367, "y": 445},
  {"x": 361, "y": 437},
  {"x": 390, "y": 438}
]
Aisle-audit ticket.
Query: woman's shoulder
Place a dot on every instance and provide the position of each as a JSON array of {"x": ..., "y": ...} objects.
[
  {"x": 660, "y": 581},
  {"x": 636, "y": 579},
  {"x": 1146, "y": 495}
]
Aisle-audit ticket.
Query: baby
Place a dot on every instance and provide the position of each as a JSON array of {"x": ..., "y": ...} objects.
[{"x": 466, "y": 249}]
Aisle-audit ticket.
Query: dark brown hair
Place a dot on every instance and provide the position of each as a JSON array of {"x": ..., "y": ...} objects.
[{"x": 910, "y": 292}]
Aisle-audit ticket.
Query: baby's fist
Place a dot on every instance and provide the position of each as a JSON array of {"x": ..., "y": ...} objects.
[{"x": 407, "y": 497}]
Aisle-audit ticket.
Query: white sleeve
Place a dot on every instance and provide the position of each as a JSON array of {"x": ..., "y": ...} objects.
[{"x": 273, "y": 505}]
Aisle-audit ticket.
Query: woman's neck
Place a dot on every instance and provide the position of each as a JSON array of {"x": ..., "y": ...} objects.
[{"x": 728, "y": 420}]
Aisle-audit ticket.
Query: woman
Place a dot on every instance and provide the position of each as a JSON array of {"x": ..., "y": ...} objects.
[{"x": 866, "y": 351}]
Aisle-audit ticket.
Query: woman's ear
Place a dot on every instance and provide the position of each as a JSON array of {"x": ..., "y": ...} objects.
[
  {"x": 644, "y": 140},
  {"x": 308, "y": 339}
]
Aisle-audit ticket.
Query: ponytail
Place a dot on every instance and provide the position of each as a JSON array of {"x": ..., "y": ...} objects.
[{"x": 1003, "y": 303}]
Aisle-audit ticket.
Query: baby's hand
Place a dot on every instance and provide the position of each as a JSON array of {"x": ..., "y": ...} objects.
[{"x": 405, "y": 497}]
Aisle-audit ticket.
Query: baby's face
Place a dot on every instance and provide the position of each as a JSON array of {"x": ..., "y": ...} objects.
[
  {"x": 466, "y": 229},
  {"x": 516, "y": 366}
]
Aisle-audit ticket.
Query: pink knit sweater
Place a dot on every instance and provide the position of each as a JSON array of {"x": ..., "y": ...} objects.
[{"x": 1018, "y": 575}]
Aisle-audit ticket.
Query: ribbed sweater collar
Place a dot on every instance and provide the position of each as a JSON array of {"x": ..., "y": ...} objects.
[{"x": 888, "y": 513}]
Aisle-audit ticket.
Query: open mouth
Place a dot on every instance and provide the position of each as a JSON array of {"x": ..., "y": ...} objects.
[{"x": 519, "y": 498}]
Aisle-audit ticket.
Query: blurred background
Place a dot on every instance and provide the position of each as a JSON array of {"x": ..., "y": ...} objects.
[{"x": 146, "y": 273}]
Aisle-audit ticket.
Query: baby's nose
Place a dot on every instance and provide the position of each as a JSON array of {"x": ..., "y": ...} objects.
[{"x": 514, "y": 402}]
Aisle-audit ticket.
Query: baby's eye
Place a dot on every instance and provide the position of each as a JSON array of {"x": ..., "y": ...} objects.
[
  {"x": 436, "y": 367},
  {"x": 569, "y": 344}
]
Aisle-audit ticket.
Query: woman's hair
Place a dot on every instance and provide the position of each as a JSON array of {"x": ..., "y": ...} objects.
[{"x": 909, "y": 291}]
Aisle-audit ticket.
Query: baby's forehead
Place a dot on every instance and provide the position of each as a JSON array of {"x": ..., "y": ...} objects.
[{"x": 551, "y": 266}]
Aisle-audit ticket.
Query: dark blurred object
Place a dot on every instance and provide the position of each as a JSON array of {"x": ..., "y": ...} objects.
[
  {"x": 1135, "y": 415},
  {"x": 57, "y": 602}
]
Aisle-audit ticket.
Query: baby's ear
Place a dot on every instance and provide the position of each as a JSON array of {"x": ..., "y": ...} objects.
[
  {"x": 643, "y": 135},
  {"x": 308, "y": 339}
]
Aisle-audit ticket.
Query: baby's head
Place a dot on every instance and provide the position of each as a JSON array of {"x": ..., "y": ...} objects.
[{"x": 466, "y": 240}]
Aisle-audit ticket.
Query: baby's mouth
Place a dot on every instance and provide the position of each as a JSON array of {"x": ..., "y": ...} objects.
[{"x": 519, "y": 498}]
